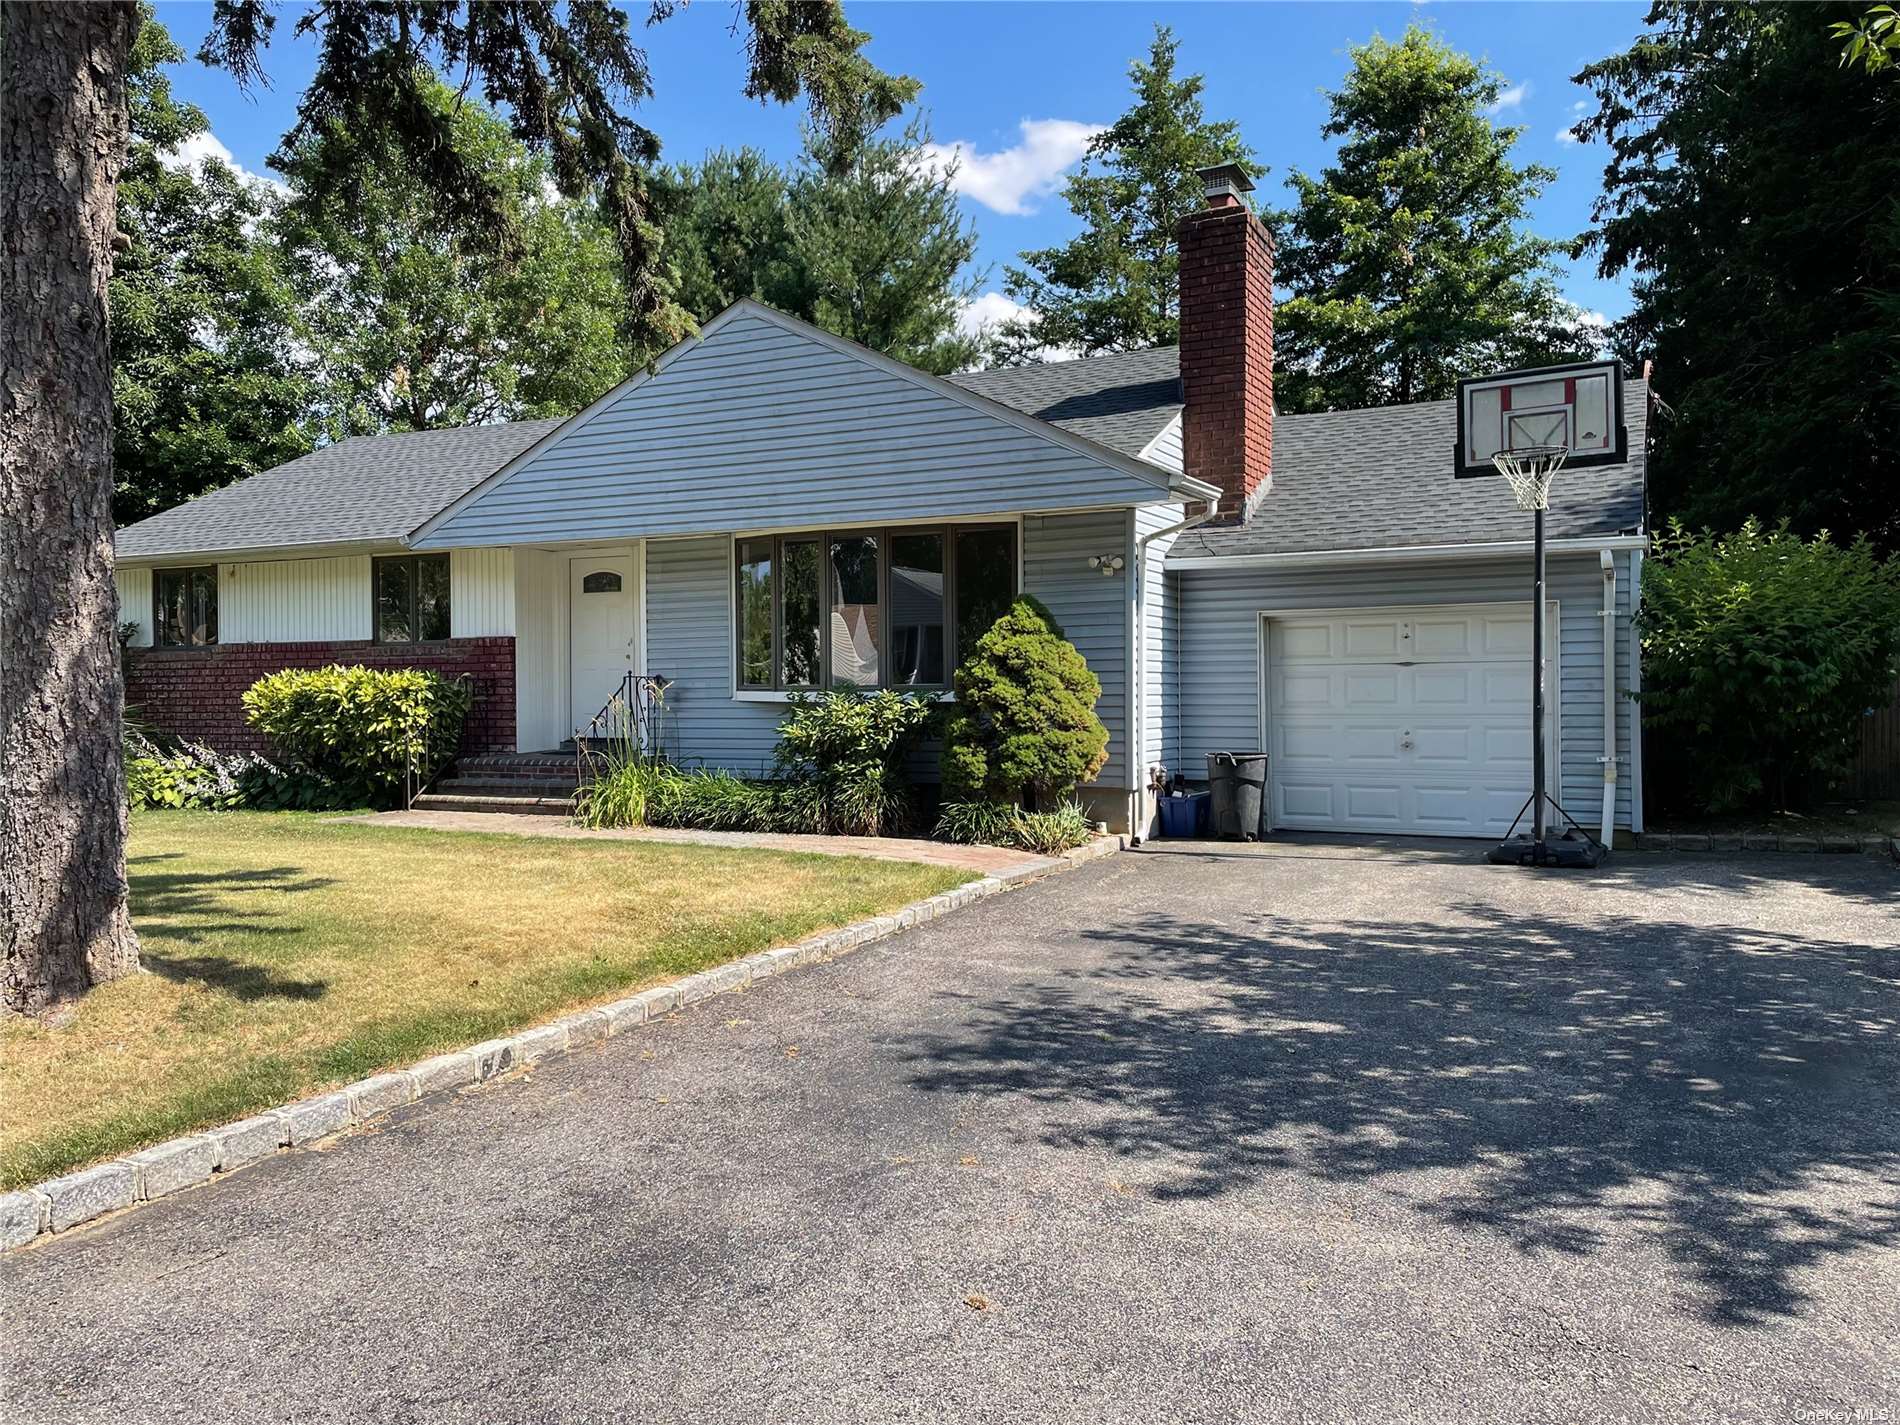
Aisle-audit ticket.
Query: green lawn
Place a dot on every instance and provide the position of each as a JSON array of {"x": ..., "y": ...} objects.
[{"x": 288, "y": 953}]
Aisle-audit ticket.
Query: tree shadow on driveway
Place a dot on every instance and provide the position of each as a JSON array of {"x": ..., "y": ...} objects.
[{"x": 1728, "y": 1091}]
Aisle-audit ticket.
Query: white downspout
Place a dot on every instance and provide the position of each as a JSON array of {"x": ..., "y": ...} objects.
[
  {"x": 1137, "y": 762},
  {"x": 1608, "y": 759}
]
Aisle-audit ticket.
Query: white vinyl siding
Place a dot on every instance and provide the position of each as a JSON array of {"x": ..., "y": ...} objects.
[
  {"x": 135, "y": 602},
  {"x": 327, "y": 600},
  {"x": 760, "y": 427},
  {"x": 540, "y": 649},
  {"x": 294, "y": 600},
  {"x": 481, "y": 593},
  {"x": 1218, "y": 683}
]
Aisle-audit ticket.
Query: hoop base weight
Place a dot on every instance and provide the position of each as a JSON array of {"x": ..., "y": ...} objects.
[{"x": 1568, "y": 851}]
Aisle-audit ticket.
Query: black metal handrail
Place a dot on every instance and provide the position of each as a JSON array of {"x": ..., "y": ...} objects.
[{"x": 632, "y": 712}]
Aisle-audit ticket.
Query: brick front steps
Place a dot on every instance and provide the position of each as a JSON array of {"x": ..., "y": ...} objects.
[{"x": 531, "y": 783}]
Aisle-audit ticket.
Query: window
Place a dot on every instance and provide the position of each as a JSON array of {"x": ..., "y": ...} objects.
[
  {"x": 412, "y": 598},
  {"x": 867, "y": 608},
  {"x": 603, "y": 581},
  {"x": 185, "y": 607}
]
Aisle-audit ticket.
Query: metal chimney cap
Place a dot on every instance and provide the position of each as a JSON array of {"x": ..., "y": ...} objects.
[{"x": 1224, "y": 178}]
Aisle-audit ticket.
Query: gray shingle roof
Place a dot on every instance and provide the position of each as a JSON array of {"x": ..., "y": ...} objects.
[
  {"x": 1121, "y": 401},
  {"x": 370, "y": 489},
  {"x": 1382, "y": 478}
]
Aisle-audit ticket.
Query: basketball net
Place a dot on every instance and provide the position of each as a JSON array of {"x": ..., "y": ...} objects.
[{"x": 1529, "y": 470}]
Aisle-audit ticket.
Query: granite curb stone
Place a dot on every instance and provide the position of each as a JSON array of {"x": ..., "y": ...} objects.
[
  {"x": 66, "y": 1202},
  {"x": 174, "y": 1166},
  {"x": 1768, "y": 841}
]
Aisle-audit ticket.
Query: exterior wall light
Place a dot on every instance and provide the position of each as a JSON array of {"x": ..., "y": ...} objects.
[{"x": 1108, "y": 564}]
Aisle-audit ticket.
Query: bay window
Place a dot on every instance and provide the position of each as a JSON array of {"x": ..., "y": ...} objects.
[{"x": 867, "y": 608}]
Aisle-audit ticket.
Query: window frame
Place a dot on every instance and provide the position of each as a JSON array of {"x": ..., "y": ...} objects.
[
  {"x": 884, "y": 535},
  {"x": 158, "y": 604},
  {"x": 414, "y": 561}
]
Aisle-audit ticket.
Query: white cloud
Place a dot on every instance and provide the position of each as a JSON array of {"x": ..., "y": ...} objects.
[
  {"x": 1009, "y": 180},
  {"x": 1568, "y": 134},
  {"x": 192, "y": 153},
  {"x": 988, "y": 310},
  {"x": 1512, "y": 98},
  {"x": 992, "y": 309}
]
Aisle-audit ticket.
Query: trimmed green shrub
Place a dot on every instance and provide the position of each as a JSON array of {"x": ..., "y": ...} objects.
[
  {"x": 1024, "y": 726},
  {"x": 364, "y": 728},
  {"x": 1761, "y": 654},
  {"x": 845, "y": 752}
]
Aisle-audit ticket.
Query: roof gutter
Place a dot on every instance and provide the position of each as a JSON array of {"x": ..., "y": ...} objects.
[
  {"x": 1406, "y": 553},
  {"x": 1190, "y": 488}
]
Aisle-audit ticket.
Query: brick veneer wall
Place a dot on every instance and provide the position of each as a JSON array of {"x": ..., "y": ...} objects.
[
  {"x": 1227, "y": 354},
  {"x": 195, "y": 692}
]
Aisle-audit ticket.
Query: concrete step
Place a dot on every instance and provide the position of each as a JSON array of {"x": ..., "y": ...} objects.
[
  {"x": 489, "y": 786},
  {"x": 528, "y": 806}
]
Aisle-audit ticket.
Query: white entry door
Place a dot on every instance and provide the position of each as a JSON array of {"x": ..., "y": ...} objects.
[
  {"x": 601, "y": 631},
  {"x": 1412, "y": 721}
]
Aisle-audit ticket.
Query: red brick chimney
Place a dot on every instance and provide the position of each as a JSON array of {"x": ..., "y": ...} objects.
[{"x": 1227, "y": 344}]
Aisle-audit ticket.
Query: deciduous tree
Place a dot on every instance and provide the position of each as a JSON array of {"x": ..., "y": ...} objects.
[
  {"x": 414, "y": 324},
  {"x": 206, "y": 385}
]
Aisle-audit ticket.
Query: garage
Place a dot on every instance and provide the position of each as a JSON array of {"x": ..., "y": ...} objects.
[{"x": 1414, "y": 721}]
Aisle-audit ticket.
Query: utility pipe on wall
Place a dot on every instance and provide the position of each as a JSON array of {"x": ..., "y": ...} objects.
[{"x": 1608, "y": 759}]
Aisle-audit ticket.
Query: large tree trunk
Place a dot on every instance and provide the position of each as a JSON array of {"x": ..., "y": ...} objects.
[{"x": 63, "y": 919}]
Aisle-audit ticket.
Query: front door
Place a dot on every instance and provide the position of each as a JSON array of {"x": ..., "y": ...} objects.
[{"x": 600, "y": 630}]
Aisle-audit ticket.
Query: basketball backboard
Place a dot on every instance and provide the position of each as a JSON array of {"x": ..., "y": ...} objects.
[{"x": 1579, "y": 407}]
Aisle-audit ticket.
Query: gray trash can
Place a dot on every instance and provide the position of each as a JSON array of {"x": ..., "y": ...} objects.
[{"x": 1239, "y": 783}]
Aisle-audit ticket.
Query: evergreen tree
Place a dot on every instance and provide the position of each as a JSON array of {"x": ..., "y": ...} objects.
[
  {"x": 1406, "y": 260},
  {"x": 859, "y": 239},
  {"x": 876, "y": 245},
  {"x": 1751, "y": 188},
  {"x": 725, "y": 231},
  {"x": 205, "y": 389},
  {"x": 1115, "y": 286}
]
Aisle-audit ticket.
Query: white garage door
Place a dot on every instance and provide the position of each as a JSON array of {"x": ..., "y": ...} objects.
[{"x": 1413, "y": 721}]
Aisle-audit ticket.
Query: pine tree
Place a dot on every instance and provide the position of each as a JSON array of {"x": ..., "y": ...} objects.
[
  {"x": 877, "y": 245},
  {"x": 1406, "y": 259},
  {"x": 1116, "y": 285}
]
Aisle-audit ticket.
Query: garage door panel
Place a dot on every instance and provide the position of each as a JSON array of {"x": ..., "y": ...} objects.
[
  {"x": 1442, "y": 689},
  {"x": 1297, "y": 802},
  {"x": 1377, "y": 688},
  {"x": 1410, "y": 721},
  {"x": 1306, "y": 640},
  {"x": 1371, "y": 638},
  {"x": 1307, "y": 690}
]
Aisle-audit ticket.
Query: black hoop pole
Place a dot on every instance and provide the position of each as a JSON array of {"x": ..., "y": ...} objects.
[{"x": 1537, "y": 694}]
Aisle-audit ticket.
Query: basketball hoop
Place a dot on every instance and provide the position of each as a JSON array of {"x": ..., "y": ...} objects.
[{"x": 1529, "y": 470}]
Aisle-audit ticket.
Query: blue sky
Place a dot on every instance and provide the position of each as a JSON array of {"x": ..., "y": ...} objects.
[{"x": 1017, "y": 85}]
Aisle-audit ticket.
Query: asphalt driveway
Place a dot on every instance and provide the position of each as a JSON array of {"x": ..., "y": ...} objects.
[{"x": 1294, "y": 1132}]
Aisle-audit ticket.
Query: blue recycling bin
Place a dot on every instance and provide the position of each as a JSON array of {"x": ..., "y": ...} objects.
[{"x": 1184, "y": 816}]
